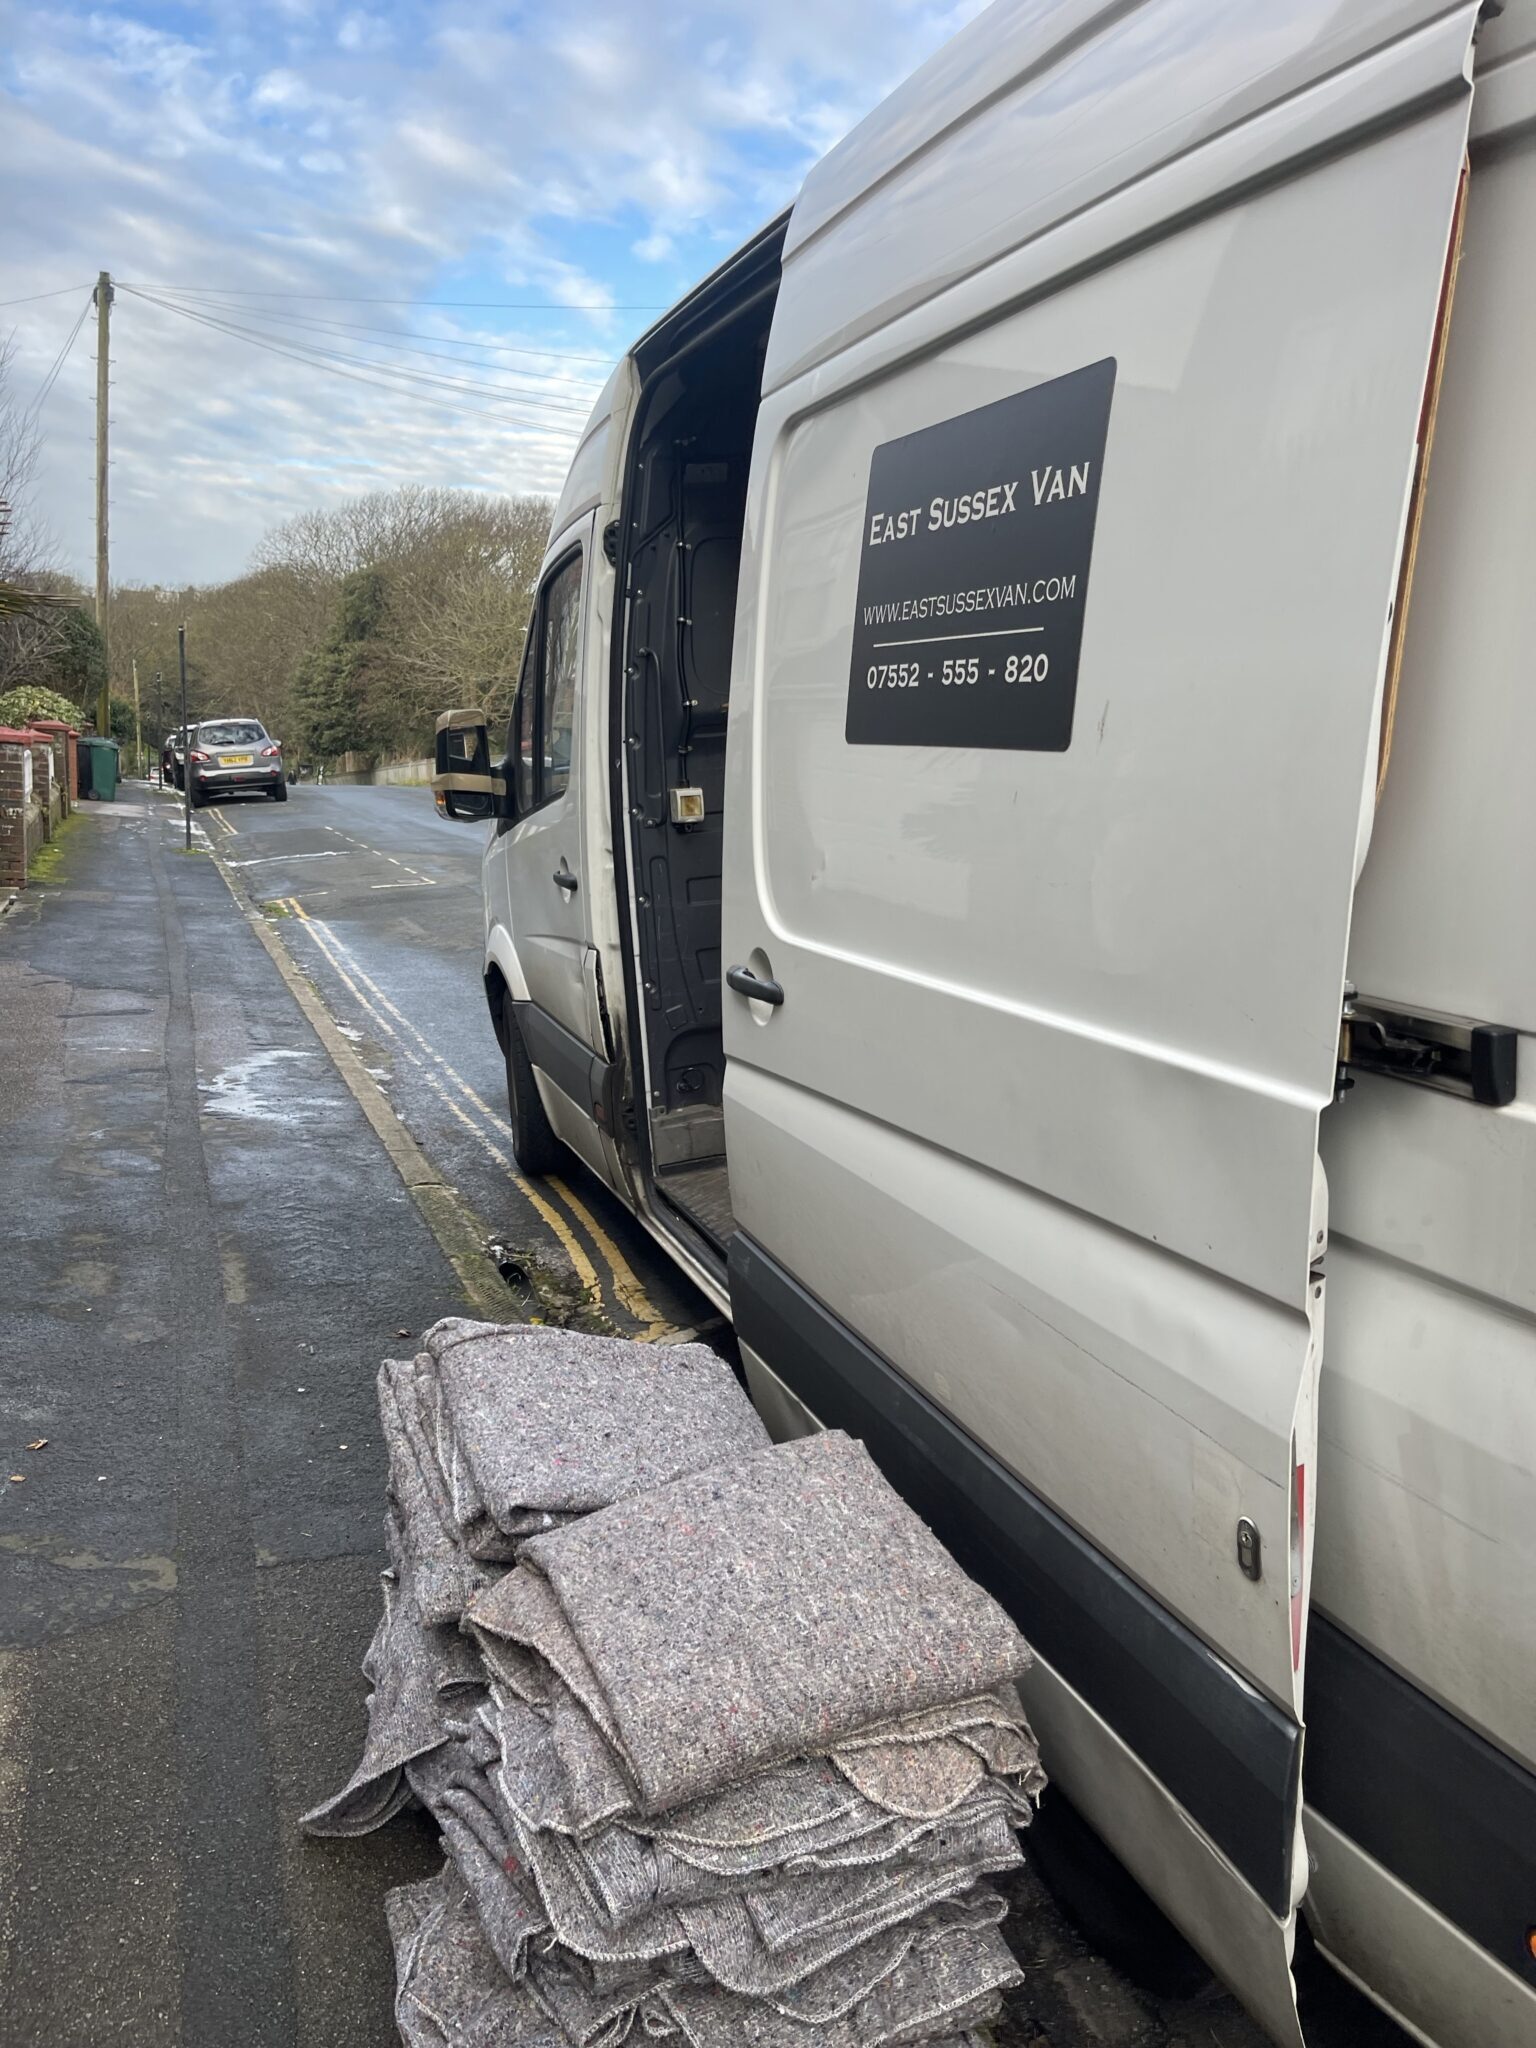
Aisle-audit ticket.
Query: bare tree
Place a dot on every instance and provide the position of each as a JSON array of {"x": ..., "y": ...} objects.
[{"x": 29, "y": 623}]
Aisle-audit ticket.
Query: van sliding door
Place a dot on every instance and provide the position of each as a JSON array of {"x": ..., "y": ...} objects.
[{"x": 1075, "y": 523}]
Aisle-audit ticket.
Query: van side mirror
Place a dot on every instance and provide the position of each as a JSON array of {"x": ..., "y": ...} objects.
[{"x": 464, "y": 785}]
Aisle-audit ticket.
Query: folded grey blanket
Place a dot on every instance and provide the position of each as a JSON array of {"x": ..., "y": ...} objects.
[
  {"x": 948, "y": 1981},
  {"x": 421, "y": 1676},
  {"x": 551, "y": 1422},
  {"x": 753, "y": 1613},
  {"x": 449, "y": 1988}
]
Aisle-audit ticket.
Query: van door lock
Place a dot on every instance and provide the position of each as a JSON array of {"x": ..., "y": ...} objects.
[{"x": 1250, "y": 1552}]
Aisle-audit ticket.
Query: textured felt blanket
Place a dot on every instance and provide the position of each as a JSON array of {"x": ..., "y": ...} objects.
[
  {"x": 544, "y": 1421},
  {"x": 749, "y": 1614},
  {"x": 421, "y": 1677}
]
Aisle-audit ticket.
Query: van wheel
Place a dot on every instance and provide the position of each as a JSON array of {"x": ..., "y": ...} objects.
[
  {"x": 1106, "y": 1904},
  {"x": 537, "y": 1149}
]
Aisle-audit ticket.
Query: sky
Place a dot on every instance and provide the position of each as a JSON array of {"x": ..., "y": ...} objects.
[{"x": 311, "y": 201}]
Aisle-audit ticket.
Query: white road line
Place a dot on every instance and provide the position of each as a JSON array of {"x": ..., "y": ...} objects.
[{"x": 263, "y": 860}]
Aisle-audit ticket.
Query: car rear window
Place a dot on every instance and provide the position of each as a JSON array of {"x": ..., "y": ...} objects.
[{"x": 232, "y": 733}]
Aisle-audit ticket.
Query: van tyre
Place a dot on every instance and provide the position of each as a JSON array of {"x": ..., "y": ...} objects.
[
  {"x": 538, "y": 1151},
  {"x": 1105, "y": 1904}
]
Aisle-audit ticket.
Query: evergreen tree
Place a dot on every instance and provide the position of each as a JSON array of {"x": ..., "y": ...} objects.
[
  {"x": 77, "y": 659},
  {"x": 335, "y": 687}
]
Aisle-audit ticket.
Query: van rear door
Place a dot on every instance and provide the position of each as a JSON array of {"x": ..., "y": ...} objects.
[{"x": 1077, "y": 509}]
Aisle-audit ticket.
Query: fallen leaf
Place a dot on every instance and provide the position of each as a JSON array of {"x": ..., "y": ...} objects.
[
  {"x": 341, "y": 1447},
  {"x": 18, "y": 1479},
  {"x": 39, "y": 1443},
  {"x": 402, "y": 1333}
]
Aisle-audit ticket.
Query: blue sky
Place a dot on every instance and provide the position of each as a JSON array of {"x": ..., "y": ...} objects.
[{"x": 584, "y": 163}]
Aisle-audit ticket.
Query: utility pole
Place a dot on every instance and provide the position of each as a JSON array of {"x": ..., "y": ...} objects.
[
  {"x": 186, "y": 736},
  {"x": 138, "y": 724},
  {"x": 160, "y": 728},
  {"x": 103, "y": 298}
]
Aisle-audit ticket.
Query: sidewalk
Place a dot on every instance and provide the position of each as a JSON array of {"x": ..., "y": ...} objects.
[{"x": 206, "y": 1251}]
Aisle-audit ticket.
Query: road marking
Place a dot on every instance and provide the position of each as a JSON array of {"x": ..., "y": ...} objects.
[
  {"x": 460, "y": 1235},
  {"x": 625, "y": 1283},
  {"x": 379, "y": 854},
  {"x": 265, "y": 860},
  {"x": 575, "y": 1250}
]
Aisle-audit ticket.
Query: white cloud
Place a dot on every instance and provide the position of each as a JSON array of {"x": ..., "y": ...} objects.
[
  {"x": 360, "y": 31},
  {"x": 479, "y": 150}
]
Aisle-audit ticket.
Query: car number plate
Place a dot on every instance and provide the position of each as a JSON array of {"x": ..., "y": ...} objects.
[{"x": 238, "y": 760}]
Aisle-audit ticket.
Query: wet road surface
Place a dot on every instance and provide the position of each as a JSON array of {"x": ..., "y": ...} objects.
[{"x": 379, "y": 901}]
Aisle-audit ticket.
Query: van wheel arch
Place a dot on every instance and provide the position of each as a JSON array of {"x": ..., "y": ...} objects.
[{"x": 498, "y": 997}]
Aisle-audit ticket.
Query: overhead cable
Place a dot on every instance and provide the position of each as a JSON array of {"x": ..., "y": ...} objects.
[{"x": 376, "y": 380}]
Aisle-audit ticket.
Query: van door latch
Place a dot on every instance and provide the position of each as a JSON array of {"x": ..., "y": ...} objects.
[
  {"x": 1250, "y": 1553},
  {"x": 1456, "y": 1055}
]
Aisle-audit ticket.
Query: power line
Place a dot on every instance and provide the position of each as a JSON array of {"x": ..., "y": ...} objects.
[
  {"x": 578, "y": 392},
  {"x": 352, "y": 376},
  {"x": 32, "y": 297},
  {"x": 322, "y": 358},
  {"x": 451, "y": 305},
  {"x": 401, "y": 335},
  {"x": 60, "y": 359}
]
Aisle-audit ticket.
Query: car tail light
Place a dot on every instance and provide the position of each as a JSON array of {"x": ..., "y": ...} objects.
[
  {"x": 270, "y": 753},
  {"x": 196, "y": 756}
]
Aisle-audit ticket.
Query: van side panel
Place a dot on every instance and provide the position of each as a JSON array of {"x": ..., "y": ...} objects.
[
  {"x": 1033, "y": 1131},
  {"x": 1426, "y": 1530}
]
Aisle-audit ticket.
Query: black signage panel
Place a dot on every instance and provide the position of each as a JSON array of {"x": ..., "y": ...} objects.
[{"x": 973, "y": 577}]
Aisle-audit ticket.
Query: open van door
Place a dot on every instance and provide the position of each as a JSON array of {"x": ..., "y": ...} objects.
[{"x": 1087, "y": 449}]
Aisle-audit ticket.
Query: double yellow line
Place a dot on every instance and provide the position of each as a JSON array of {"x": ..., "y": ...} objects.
[{"x": 464, "y": 1103}]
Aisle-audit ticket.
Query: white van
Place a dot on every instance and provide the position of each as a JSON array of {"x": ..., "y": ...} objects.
[{"x": 990, "y": 865}]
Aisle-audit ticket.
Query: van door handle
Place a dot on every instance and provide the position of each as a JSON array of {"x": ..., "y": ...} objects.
[
  {"x": 748, "y": 984},
  {"x": 564, "y": 879}
]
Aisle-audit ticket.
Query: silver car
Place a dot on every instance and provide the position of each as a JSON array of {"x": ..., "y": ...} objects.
[{"x": 227, "y": 755}]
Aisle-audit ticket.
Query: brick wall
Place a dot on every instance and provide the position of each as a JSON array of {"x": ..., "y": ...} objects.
[
  {"x": 14, "y": 811},
  {"x": 62, "y": 739}
]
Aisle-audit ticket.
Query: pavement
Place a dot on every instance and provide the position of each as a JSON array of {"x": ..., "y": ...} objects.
[{"x": 247, "y": 1144}]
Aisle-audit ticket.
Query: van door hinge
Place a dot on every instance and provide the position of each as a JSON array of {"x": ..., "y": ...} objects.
[{"x": 1456, "y": 1055}]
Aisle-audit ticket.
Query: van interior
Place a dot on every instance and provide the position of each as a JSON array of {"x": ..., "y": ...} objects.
[{"x": 680, "y": 542}]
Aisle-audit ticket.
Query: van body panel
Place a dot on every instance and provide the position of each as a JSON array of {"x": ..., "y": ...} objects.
[
  {"x": 1212, "y": 1906},
  {"x": 589, "y": 480},
  {"x": 1435, "y": 1982},
  {"x": 1038, "y": 1328},
  {"x": 1036, "y": 1121},
  {"x": 1026, "y": 1164},
  {"x": 1426, "y": 1527},
  {"x": 1229, "y": 1756},
  {"x": 549, "y": 925},
  {"x": 1035, "y": 116}
]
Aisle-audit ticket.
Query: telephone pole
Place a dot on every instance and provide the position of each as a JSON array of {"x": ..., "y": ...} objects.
[{"x": 103, "y": 299}]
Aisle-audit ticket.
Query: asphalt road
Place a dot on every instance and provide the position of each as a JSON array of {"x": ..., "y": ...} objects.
[{"x": 380, "y": 902}]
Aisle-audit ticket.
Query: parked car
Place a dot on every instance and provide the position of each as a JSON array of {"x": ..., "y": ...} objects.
[
  {"x": 228, "y": 756},
  {"x": 989, "y": 863}
]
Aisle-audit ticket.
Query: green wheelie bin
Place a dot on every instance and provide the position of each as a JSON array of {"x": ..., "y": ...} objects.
[{"x": 103, "y": 758}]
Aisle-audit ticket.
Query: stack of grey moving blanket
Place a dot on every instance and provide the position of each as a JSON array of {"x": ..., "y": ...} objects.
[{"x": 720, "y": 1741}]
